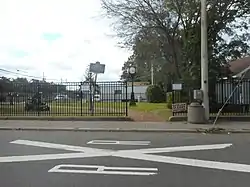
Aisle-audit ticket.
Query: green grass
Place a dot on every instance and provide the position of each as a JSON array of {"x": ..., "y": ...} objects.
[
  {"x": 159, "y": 109},
  {"x": 149, "y": 107}
]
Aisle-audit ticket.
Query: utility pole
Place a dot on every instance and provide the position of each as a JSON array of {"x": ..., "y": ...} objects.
[
  {"x": 43, "y": 77},
  {"x": 152, "y": 73},
  {"x": 204, "y": 58}
]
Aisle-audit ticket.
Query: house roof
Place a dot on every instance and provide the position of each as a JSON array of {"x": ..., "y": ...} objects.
[{"x": 239, "y": 65}]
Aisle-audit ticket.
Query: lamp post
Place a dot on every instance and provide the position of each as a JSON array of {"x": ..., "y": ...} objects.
[{"x": 132, "y": 72}]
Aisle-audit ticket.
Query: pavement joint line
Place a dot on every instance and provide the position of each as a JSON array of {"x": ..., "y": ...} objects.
[{"x": 79, "y": 129}]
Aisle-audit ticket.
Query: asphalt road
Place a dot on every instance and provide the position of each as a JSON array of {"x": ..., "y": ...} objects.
[{"x": 16, "y": 171}]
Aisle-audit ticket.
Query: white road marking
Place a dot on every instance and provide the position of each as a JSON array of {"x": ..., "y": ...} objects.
[
  {"x": 102, "y": 170},
  {"x": 112, "y": 142},
  {"x": 181, "y": 148},
  {"x": 57, "y": 146},
  {"x": 26, "y": 158},
  {"x": 139, "y": 154},
  {"x": 189, "y": 162}
]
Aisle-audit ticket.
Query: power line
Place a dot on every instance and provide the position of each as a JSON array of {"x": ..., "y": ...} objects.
[
  {"x": 11, "y": 72},
  {"x": 30, "y": 76}
]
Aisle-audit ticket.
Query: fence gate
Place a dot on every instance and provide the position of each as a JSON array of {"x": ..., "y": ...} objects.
[
  {"x": 179, "y": 105},
  {"x": 39, "y": 98}
]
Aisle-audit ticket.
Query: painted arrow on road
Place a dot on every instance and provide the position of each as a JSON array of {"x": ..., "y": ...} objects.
[{"x": 138, "y": 154}]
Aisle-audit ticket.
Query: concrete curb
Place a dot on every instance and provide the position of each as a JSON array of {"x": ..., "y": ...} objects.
[
  {"x": 97, "y": 129},
  {"x": 204, "y": 130},
  {"x": 220, "y": 119}
]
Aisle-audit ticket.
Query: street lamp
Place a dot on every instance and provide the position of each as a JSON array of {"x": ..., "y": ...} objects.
[{"x": 132, "y": 72}]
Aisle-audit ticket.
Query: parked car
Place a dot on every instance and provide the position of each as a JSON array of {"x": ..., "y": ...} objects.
[
  {"x": 61, "y": 97},
  {"x": 97, "y": 97}
]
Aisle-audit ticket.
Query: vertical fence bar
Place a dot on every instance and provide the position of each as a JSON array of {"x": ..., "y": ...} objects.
[
  {"x": 173, "y": 102},
  {"x": 126, "y": 90},
  {"x": 38, "y": 100},
  {"x": 81, "y": 96}
]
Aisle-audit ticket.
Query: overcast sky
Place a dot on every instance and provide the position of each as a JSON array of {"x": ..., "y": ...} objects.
[{"x": 57, "y": 37}]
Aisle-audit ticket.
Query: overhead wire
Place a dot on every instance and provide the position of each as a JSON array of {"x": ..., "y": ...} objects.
[{"x": 25, "y": 75}]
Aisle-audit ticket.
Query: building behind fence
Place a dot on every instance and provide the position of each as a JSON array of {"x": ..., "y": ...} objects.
[{"x": 234, "y": 92}]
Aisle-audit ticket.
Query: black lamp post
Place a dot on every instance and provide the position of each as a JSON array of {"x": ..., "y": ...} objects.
[{"x": 132, "y": 72}]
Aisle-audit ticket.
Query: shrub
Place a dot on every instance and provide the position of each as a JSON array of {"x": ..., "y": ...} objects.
[{"x": 155, "y": 94}]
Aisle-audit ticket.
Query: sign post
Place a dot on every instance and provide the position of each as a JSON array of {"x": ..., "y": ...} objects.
[
  {"x": 132, "y": 72},
  {"x": 177, "y": 106},
  {"x": 96, "y": 68}
]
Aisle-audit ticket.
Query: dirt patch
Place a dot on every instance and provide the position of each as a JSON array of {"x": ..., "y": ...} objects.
[{"x": 144, "y": 116}]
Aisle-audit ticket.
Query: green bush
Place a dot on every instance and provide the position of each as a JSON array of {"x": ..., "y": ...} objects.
[{"x": 155, "y": 94}]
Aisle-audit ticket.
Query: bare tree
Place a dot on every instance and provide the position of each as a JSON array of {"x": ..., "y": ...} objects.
[{"x": 136, "y": 20}]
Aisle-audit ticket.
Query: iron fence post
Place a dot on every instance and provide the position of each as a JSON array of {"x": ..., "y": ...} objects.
[
  {"x": 81, "y": 95},
  {"x": 173, "y": 100},
  {"x": 38, "y": 101},
  {"x": 126, "y": 90}
]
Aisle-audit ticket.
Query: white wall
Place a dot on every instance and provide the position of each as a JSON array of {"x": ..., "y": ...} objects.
[{"x": 108, "y": 91}]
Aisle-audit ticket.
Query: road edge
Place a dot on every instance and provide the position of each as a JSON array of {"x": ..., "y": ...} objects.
[{"x": 200, "y": 130}]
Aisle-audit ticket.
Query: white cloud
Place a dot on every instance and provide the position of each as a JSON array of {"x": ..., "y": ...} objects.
[{"x": 81, "y": 38}]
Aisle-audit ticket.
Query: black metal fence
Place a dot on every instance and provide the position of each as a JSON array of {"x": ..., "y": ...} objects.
[
  {"x": 64, "y": 99},
  {"x": 231, "y": 94}
]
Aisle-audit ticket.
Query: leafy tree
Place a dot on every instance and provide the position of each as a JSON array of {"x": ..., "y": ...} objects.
[
  {"x": 155, "y": 94},
  {"x": 22, "y": 86},
  {"x": 167, "y": 34}
]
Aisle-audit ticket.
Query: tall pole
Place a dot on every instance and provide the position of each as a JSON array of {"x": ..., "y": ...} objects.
[
  {"x": 91, "y": 92},
  {"x": 204, "y": 58},
  {"x": 43, "y": 77},
  {"x": 132, "y": 72},
  {"x": 152, "y": 73},
  {"x": 93, "y": 95}
]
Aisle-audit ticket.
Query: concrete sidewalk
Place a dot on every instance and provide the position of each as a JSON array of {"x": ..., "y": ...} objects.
[{"x": 233, "y": 127}]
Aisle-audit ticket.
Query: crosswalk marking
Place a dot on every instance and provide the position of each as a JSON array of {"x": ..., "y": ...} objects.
[
  {"x": 118, "y": 142},
  {"x": 93, "y": 169},
  {"x": 138, "y": 154}
]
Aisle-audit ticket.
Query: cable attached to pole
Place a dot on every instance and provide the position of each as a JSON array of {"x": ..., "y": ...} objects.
[{"x": 229, "y": 97}]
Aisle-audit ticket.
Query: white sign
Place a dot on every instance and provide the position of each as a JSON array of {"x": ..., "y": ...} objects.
[
  {"x": 179, "y": 107},
  {"x": 177, "y": 86},
  {"x": 112, "y": 142},
  {"x": 92, "y": 169},
  {"x": 139, "y": 154},
  {"x": 85, "y": 86}
]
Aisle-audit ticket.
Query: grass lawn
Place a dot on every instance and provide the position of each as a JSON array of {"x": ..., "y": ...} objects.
[
  {"x": 75, "y": 108},
  {"x": 159, "y": 109}
]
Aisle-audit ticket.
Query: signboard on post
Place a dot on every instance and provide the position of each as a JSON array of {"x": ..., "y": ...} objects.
[
  {"x": 179, "y": 107},
  {"x": 97, "y": 68},
  {"x": 176, "y": 86}
]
